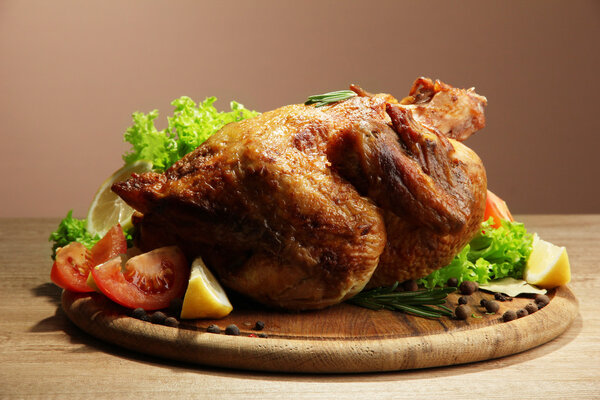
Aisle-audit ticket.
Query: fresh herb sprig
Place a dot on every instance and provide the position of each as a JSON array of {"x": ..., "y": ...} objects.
[
  {"x": 320, "y": 100},
  {"x": 423, "y": 303}
]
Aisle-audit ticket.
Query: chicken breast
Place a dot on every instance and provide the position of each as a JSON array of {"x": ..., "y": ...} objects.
[{"x": 300, "y": 207}]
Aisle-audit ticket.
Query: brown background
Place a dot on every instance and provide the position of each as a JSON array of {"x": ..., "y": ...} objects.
[{"x": 71, "y": 74}]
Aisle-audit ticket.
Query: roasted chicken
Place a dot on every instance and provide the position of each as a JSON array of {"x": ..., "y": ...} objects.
[{"x": 302, "y": 207}]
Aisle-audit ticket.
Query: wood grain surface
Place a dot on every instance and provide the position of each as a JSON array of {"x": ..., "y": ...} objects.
[
  {"x": 343, "y": 338},
  {"x": 45, "y": 356}
]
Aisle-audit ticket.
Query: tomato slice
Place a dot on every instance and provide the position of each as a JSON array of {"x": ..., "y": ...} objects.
[
  {"x": 496, "y": 207},
  {"x": 74, "y": 261},
  {"x": 72, "y": 267},
  {"x": 111, "y": 245},
  {"x": 150, "y": 280}
]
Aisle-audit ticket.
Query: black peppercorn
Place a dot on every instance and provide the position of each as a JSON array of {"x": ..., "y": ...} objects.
[
  {"x": 138, "y": 313},
  {"x": 452, "y": 282},
  {"x": 468, "y": 287},
  {"x": 462, "y": 300},
  {"x": 499, "y": 297},
  {"x": 213, "y": 329},
  {"x": 259, "y": 326},
  {"x": 410, "y": 286},
  {"x": 232, "y": 330},
  {"x": 170, "y": 321},
  {"x": 509, "y": 316},
  {"x": 522, "y": 313},
  {"x": 462, "y": 312},
  {"x": 491, "y": 306},
  {"x": 483, "y": 302},
  {"x": 263, "y": 335},
  {"x": 158, "y": 318},
  {"x": 542, "y": 300},
  {"x": 531, "y": 308}
]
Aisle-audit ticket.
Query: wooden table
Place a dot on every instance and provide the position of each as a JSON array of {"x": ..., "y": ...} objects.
[{"x": 43, "y": 355}]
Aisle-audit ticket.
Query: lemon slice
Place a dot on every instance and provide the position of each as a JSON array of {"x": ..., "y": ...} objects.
[
  {"x": 204, "y": 297},
  {"x": 107, "y": 208},
  {"x": 548, "y": 265}
]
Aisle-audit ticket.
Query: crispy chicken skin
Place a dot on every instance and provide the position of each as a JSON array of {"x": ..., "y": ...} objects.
[{"x": 301, "y": 207}]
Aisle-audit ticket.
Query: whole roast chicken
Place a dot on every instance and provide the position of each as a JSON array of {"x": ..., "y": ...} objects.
[{"x": 304, "y": 206}]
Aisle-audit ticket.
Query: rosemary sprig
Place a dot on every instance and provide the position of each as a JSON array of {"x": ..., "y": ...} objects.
[
  {"x": 320, "y": 100},
  {"x": 423, "y": 303}
]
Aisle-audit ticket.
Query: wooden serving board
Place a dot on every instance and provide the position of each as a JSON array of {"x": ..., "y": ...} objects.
[{"x": 343, "y": 338}]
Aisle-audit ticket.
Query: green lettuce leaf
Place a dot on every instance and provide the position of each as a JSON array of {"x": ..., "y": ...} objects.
[
  {"x": 187, "y": 129},
  {"x": 72, "y": 230},
  {"x": 494, "y": 253}
]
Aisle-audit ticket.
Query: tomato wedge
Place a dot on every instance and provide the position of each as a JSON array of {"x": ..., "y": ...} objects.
[
  {"x": 74, "y": 261},
  {"x": 149, "y": 281},
  {"x": 72, "y": 267},
  {"x": 496, "y": 207},
  {"x": 111, "y": 245}
]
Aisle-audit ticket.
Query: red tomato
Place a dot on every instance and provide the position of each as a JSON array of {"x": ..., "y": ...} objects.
[
  {"x": 110, "y": 246},
  {"x": 74, "y": 261},
  {"x": 150, "y": 280},
  {"x": 72, "y": 267},
  {"x": 496, "y": 207}
]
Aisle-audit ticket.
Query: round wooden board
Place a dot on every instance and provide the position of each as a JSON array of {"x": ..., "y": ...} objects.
[{"x": 343, "y": 338}]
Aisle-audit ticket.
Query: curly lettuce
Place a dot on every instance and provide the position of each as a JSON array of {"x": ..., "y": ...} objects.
[
  {"x": 187, "y": 129},
  {"x": 72, "y": 230},
  {"x": 495, "y": 253}
]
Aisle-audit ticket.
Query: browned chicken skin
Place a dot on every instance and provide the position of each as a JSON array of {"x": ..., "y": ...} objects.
[{"x": 302, "y": 206}]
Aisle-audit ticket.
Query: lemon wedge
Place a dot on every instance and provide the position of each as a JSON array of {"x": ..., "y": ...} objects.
[
  {"x": 92, "y": 283},
  {"x": 107, "y": 208},
  {"x": 204, "y": 297},
  {"x": 548, "y": 265}
]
